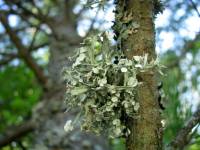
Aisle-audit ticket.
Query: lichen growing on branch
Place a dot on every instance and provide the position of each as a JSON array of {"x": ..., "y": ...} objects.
[{"x": 103, "y": 83}]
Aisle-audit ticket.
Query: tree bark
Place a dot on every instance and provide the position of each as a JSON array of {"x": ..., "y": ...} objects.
[{"x": 134, "y": 29}]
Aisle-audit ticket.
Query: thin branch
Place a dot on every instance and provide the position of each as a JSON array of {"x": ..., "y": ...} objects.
[
  {"x": 85, "y": 7},
  {"x": 7, "y": 57},
  {"x": 17, "y": 132},
  {"x": 5, "y": 61},
  {"x": 26, "y": 19},
  {"x": 182, "y": 138},
  {"x": 2, "y": 35},
  {"x": 38, "y": 9},
  {"x": 25, "y": 12},
  {"x": 194, "y": 132},
  {"x": 39, "y": 46},
  {"x": 32, "y": 25},
  {"x": 23, "y": 52},
  {"x": 33, "y": 39},
  {"x": 9, "y": 54},
  {"x": 195, "y": 7},
  {"x": 92, "y": 22}
]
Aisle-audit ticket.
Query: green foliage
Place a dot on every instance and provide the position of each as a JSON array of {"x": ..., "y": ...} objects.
[
  {"x": 18, "y": 93},
  {"x": 195, "y": 144},
  {"x": 118, "y": 144},
  {"x": 103, "y": 88},
  {"x": 176, "y": 112}
]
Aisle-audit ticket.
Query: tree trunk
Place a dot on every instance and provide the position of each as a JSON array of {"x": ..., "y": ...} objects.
[
  {"x": 134, "y": 28},
  {"x": 49, "y": 114}
]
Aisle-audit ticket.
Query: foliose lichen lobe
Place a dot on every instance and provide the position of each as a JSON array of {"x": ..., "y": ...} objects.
[{"x": 103, "y": 84}]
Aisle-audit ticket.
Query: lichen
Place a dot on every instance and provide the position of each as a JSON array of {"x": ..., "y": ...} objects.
[{"x": 103, "y": 83}]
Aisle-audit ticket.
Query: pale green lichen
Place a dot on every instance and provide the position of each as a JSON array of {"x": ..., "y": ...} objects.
[
  {"x": 105, "y": 88},
  {"x": 68, "y": 126}
]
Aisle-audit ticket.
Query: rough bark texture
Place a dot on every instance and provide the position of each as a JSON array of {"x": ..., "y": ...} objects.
[
  {"x": 49, "y": 114},
  {"x": 136, "y": 17}
]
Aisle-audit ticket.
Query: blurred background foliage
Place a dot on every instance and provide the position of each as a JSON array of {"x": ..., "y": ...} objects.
[
  {"x": 19, "y": 92},
  {"x": 178, "y": 45}
]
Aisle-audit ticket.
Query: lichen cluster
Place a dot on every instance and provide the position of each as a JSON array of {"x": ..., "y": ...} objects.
[{"x": 103, "y": 84}]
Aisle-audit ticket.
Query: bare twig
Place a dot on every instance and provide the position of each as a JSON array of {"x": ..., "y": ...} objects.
[
  {"x": 7, "y": 57},
  {"x": 25, "y": 11},
  {"x": 5, "y": 61},
  {"x": 33, "y": 39},
  {"x": 16, "y": 133},
  {"x": 23, "y": 52},
  {"x": 83, "y": 9},
  {"x": 195, "y": 7},
  {"x": 182, "y": 138},
  {"x": 8, "y": 54},
  {"x": 39, "y": 46},
  {"x": 92, "y": 22}
]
